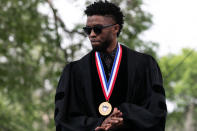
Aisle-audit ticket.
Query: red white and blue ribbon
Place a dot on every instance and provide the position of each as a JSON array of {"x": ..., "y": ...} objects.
[{"x": 107, "y": 86}]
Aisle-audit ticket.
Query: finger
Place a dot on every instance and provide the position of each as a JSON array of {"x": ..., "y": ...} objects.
[
  {"x": 118, "y": 114},
  {"x": 108, "y": 127},
  {"x": 115, "y": 108},
  {"x": 115, "y": 112},
  {"x": 117, "y": 118},
  {"x": 105, "y": 125},
  {"x": 120, "y": 122},
  {"x": 106, "y": 120},
  {"x": 115, "y": 125},
  {"x": 113, "y": 121},
  {"x": 99, "y": 128}
]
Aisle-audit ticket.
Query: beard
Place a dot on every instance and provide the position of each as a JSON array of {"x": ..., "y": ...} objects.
[{"x": 102, "y": 47}]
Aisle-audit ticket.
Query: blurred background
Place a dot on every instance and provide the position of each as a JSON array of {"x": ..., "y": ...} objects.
[{"x": 39, "y": 37}]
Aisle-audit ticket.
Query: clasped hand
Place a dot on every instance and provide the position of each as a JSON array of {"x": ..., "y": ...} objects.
[{"x": 113, "y": 121}]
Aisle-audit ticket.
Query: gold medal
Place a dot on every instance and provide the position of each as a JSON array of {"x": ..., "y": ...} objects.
[{"x": 105, "y": 108}]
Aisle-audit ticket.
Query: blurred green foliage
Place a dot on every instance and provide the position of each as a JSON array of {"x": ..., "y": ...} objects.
[
  {"x": 30, "y": 53},
  {"x": 180, "y": 81}
]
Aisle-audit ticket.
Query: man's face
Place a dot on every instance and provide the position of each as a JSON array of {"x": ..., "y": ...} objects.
[{"x": 101, "y": 41}]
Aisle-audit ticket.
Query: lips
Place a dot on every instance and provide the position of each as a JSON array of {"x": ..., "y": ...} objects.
[{"x": 94, "y": 40}]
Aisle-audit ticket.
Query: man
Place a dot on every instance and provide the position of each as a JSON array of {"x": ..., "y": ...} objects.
[{"x": 112, "y": 87}]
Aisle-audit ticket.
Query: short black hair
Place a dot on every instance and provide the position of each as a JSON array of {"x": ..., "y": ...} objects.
[{"x": 106, "y": 9}]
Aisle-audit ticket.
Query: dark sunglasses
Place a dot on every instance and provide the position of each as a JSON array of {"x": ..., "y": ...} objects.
[{"x": 97, "y": 29}]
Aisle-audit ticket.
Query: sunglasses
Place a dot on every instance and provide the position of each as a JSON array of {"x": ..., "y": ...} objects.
[{"x": 97, "y": 29}]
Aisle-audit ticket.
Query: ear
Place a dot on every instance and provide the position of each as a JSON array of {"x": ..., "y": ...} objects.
[{"x": 116, "y": 28}]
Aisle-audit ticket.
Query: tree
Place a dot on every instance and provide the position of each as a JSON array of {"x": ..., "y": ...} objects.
[
  {"x": 29, "y": 49},
  {"x": 32, "y": 58},
  {"x": 180, "y": 77}
]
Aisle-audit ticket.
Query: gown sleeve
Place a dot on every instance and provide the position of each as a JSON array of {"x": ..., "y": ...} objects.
[
  {"x": 147, "y": 111},
  {"x": 70, "y": 112}
]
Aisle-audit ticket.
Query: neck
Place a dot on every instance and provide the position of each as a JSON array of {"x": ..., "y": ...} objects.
[{"x": 112, "y": 46}]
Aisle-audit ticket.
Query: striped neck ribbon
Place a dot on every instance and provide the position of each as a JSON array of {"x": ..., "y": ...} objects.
[{"x": 107, "y": 86}]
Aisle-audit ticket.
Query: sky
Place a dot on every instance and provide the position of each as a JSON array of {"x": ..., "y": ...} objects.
[{"x": 174, "y": 22}]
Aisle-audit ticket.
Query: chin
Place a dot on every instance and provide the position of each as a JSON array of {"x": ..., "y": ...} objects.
[
  {"x": 102, "y": 47},
  {"x": 97, "y": 48}
]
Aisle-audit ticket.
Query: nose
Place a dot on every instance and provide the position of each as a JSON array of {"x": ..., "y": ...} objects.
[{"x": 92, "y": 33}]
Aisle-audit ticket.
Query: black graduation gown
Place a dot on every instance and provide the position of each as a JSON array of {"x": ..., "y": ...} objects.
[{"x": 138, "y": 94}]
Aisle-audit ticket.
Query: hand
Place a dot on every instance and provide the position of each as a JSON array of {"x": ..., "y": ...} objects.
[{"x": 112, "y": 121}]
